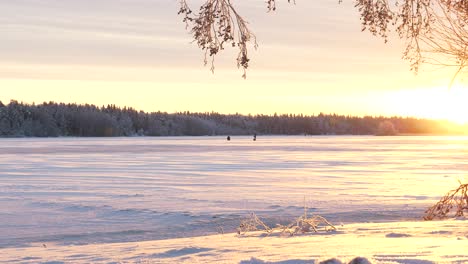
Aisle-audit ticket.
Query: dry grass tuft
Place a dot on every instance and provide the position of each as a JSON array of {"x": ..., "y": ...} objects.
[
  {"x": 301, "y": 225},
  {"x": 253, "y": 223}
]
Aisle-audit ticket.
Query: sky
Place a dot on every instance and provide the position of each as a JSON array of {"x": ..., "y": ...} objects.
[{"x": 312, "y": 57}]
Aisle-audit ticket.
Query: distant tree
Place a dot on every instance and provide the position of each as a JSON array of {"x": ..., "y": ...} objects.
[
  {"x": 435, "y": 31},
  {"x": 194, "y": 126},
  {"x": 41, "y": 123},
  {"x": 386, "y": 128},
  {"x": 16, "y": 114},
  {"x": 4, "y": 122},
  {"x": 125, "y": 125}
]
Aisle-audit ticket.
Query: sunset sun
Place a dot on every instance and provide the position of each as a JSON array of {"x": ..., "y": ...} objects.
[
  {"x": 450, "y": 104},
  {"x": 440, "y": 103}
]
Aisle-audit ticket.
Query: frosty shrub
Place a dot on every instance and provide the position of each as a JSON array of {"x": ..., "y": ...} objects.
[
  {"x": 455, "y": 201},
  {"x": 301, "y": 225}
]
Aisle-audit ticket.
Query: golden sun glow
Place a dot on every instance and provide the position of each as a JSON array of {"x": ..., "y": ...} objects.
[{"x": 434, "y": 103}]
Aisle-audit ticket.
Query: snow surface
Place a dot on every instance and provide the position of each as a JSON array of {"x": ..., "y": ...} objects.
[
  {"x": 79, "y": 195},
  {"x": 368, "y": 240}
]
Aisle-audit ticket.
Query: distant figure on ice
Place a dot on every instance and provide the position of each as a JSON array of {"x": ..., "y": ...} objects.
[
  {"x": 255, "y": 137},
  {"x": 228, "y": 138}
]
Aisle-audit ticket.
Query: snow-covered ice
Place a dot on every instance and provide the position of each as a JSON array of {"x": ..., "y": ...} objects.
[{"x": 74, "y": 195}]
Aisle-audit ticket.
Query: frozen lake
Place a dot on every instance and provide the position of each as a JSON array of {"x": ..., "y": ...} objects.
[{"x": 89, "y": 190}]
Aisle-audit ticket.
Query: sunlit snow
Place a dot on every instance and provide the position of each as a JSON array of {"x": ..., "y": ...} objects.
[{"x": 69, "y": 191}]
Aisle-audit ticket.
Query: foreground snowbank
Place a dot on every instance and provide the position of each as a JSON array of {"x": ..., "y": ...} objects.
[{"x": 397, "y": 242}]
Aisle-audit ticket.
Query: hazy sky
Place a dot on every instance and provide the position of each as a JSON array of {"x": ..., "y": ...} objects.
[{"x": 312, "y": 58}]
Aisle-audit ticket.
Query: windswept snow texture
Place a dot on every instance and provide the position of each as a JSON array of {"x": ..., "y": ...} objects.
[{"x": 96, "y": 190}]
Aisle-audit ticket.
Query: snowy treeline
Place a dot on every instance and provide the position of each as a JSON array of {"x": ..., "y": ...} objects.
[{"x": 58, "y": 119}]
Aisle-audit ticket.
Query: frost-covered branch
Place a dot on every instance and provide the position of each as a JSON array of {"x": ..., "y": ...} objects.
[{"x": 434, "y": 31}]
